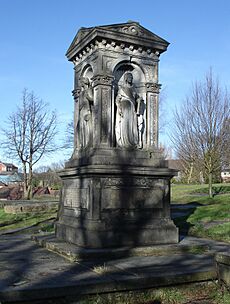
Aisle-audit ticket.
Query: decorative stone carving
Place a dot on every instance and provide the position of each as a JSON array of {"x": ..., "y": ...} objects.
[
  {"x": 137, "y": 182},
  {"x": 129, "y": 117},
  {"x": 102, "y": 79},
  {"x": 153, "y": 87},
  {"x": 133, "y": 30},
  {"x": 76, "y": 93}
]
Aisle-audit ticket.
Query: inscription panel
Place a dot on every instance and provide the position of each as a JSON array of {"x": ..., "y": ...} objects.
[
  {"x": 76, "y": 194},
  {"x": 133, "y": 193},
  {"x": 132, "y": 198}
]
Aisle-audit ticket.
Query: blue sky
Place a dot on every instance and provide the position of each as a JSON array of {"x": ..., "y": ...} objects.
[{"x": 35, "y": 34}]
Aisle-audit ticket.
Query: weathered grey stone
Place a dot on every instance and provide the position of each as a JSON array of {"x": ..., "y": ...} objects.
[
  {"x": 78, "y": 254},
  {"x": 223, "y": 267},
  {"x": 116, "y": 186},
  {"x": 29, "y": 273}
]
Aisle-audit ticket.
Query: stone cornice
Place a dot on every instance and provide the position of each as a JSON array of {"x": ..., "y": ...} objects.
[{"x": 130, "y": 49}]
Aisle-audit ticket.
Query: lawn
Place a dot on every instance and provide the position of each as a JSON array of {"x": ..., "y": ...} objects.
[
  {"x": 206, "y": 293},
  {"x": 210, "y": 217},
  {"x": 9, "y": 221},
  {"x": 183, "y": 193}
]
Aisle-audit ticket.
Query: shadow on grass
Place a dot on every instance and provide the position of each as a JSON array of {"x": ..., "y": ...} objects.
[{"x": 180, "y": 214}]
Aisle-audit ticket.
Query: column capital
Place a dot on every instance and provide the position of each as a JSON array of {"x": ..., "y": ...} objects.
[
  {"x": 101, "y": 79},
  {"x": 153, "y": 87},
  {"x": 76, "y": 93}
]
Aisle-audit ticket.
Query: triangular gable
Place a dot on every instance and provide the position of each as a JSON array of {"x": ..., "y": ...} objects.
[
  {"x": 79, "y": 36},
  {"x": 135, "y": 29},
  {"x": 132, "y": 30}
]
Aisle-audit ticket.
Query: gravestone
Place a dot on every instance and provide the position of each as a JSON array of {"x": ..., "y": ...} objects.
[{"x": 116, "y": 185}]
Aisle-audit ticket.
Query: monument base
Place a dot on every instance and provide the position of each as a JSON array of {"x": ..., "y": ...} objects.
[
  {"x": 77, "y": 253},
  {"x": 108, "y": 206}
]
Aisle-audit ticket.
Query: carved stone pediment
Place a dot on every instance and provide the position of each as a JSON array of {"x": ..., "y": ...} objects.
[{"x": 130, "y": 32}]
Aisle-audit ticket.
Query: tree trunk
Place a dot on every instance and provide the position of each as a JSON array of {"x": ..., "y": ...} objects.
[
  {"x": 190, "y": 173},
  {"x": 210, "y": 185},
  {"x": 30, "y": 180},
  {"x": 25, "y": 186}
]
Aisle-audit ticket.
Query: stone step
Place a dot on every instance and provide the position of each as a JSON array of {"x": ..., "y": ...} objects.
[
  {"x": 75, "y": 253},
  {"x": 29, "y": 272}
]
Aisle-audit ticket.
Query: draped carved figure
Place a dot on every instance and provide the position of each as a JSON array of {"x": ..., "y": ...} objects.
[
  {"x": 85, "y": 113},
  {"x": 129, "y": 116}
]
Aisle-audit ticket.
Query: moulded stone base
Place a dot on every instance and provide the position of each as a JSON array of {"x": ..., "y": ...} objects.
[
  {"x": 125, "y": 236},
  {"x": 111, "y": 206},
  {"x": 116, "y": 156}
]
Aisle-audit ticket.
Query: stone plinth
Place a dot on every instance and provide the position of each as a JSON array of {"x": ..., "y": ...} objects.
[
  {"x": 112, "y": 206},
  {"x": 116, "y": 185}
]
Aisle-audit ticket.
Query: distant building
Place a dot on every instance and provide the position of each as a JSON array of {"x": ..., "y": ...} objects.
[
  {"x": 11, "y": 179},
  {"x": 7, "y": 167},
  {"x": 9, "y": 174},
  {"x": 225, "y": 175}
]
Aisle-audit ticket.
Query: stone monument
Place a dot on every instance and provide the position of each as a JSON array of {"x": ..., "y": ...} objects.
[{"x": 116, "y": 185}]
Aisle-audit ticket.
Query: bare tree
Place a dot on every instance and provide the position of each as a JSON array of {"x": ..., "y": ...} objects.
[
  {"x": 48, "y": 175},
  {"x": 163, "y": 122},
  {"x": 225, "y": 159},
  {"x": 68, "y": 141},
  {"x": 29, "y": 134},
  {"x": 200, "y": 134}
]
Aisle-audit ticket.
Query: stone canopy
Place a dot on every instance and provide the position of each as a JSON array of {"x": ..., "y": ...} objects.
[{"x": 103, "y": 55}]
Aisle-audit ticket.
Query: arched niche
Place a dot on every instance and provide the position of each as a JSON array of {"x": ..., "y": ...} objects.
[
  {"x": 86, "y": 72},
  {"x": 139, "y": 81},
  {"x": 125, "y": 66}
]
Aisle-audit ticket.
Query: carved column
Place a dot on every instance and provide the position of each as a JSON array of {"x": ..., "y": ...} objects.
[
  {"x": 103, "y": 110},
  {"x": 152, "y": 96},
  {"x": 76, "y": 94}
]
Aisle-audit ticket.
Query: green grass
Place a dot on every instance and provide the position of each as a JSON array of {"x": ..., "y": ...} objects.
[
  {"x": 10, "y": 221},
  {"x": 217, "y": 232},
  {"x": 215, "y": 211},
  {"x": 194, "y": 293},
  {"x": 208, "y": 210},
  {"x": 217, "y": 189},
  {"x": 183, "y": 193}
]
